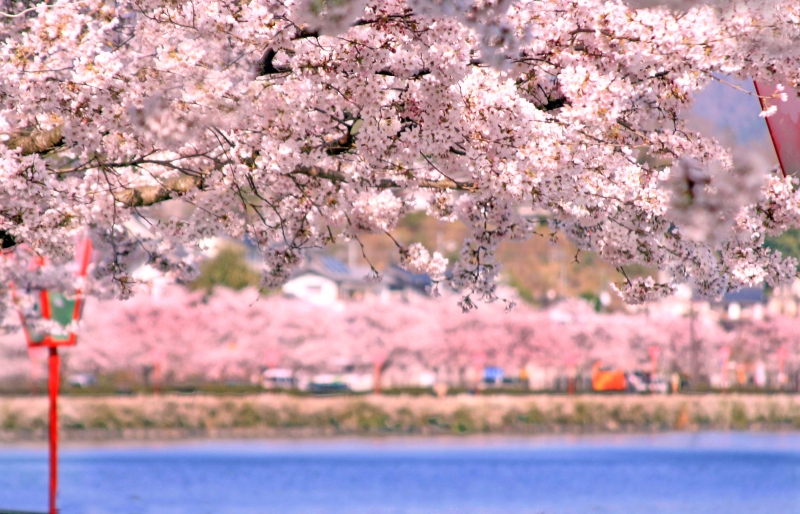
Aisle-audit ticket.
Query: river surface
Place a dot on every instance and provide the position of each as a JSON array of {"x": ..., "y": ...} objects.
[{"x": 709, "y": 473}]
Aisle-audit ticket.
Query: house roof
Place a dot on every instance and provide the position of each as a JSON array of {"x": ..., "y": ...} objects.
[
  {"x": 398, "y": 278},
  {"x": 394, "y": 278},
  {"x": 745, "y": 296},
  {"x": 333, "y": 269},
  {"x": 334, "y": 265}
]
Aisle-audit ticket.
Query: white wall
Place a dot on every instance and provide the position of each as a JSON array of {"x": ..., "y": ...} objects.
[{"x": 312, "y": 288}]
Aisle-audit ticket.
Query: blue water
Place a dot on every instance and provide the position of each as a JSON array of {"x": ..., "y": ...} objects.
[{"x": 674, "y": 473}]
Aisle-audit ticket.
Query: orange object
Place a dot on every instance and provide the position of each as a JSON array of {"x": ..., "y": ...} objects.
[{"x": 605, "y": 379}]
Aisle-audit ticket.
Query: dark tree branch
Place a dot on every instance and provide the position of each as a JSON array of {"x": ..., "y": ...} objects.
[
  {"x": 37, "y": 141},
  {"x": 335, "y": 176},
  {"x": 304, "y": 33},
  {"x": 143, "y": 196},
  {"x": 389, "y": 73},
  {"x": 266, "y": 67},
  {"x": 552, "y": 105},
  {"x": 7, "y": 240}
]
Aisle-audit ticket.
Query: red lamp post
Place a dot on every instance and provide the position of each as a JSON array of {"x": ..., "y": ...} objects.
[{"x": 55, "y": 307}]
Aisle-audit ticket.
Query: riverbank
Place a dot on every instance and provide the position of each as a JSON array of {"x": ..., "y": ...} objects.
[{"x": 170, "y": 417}]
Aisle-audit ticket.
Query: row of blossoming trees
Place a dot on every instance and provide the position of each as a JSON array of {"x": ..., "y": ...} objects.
[{"x": 234, "y": 335}]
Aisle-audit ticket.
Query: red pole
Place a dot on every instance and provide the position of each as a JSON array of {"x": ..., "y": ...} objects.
[{"x": 53, "y": 382}]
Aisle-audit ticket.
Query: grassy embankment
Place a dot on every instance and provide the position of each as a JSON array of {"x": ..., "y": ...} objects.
[{"x": 272, "y": 415}]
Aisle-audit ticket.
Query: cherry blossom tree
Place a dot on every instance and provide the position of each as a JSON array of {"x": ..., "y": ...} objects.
[
  {"x": 300, "y": 123},
  {"x": 233, "y": 335}
]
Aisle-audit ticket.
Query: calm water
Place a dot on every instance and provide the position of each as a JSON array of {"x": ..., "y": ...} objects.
[{"x": 680, "y": 474}]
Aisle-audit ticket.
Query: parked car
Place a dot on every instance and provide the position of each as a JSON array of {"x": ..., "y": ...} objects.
[
  {"x": 658, "y": 385},
  {"x": 277, "y": 378},
  {"x": 638, "y": 382},
  {"x": 324, "y": 389},
  {"x": 81, "y": 379}
]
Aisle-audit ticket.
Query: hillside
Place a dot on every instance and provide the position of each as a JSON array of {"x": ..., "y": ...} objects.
[{"x": 545, "y": 263}]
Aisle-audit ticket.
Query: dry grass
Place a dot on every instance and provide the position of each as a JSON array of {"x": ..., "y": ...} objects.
[{"x": 275, "y": 415}]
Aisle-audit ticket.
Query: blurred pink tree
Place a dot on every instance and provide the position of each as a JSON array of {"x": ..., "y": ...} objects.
[{"x": 232, "y": 335}]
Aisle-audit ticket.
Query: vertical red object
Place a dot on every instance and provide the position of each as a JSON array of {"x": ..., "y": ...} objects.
[
  {"x": 724, "y": 356},
  {"x": 572, "y": 372},
  {"x": 655, "y": 353},
  {"x": 157, "y": 377},
  {"x": 378, "y": 360},
  {"x": 377, "y": 377},
  {"x": 784, "y": 125},
  {"x": 53, "y": 382}
]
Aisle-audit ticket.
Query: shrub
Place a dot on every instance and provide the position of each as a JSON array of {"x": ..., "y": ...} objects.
[{"x": 246, "y": 416}]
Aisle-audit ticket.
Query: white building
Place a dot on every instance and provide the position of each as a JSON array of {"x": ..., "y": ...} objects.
[{"x": 325, "y": 280}]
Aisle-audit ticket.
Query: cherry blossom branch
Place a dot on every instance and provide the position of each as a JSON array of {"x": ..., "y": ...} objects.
[
  {"x": 34, "y": 9},
  {"x": 36, "y": 142},
  {"x": 333, "y": 176},
  {"x": 144, "y": 196}
]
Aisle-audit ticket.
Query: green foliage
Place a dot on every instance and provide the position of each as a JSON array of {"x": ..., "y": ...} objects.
[
  {"x": 246, "y": 416},
  {"x": 11, "y": 421},
  {"x": 414, "y": 222},
  {"x": 787, "y": 243},
  {"x": 584, "y": 415},
  {"x": 739, "y": 418},
  {"x": 106, "y": 418},
  {"x": 365, "y": 417},
  {"x": 593, "y": 299},
  {"x": 524, "y": 292},
  {"x": 463, "y": 422},
  {"x": 173, "y": 417},
  {"x": 228, "y": 268},
  {"x": 195, "y": 416}
]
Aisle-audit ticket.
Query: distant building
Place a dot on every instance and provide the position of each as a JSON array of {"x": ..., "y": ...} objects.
[
  {"x": 400, "y": 282},
  {"x": 324, "y": 280},
  {"x": 277, "y": 378},
  {"x": 746, "y": 303}
]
